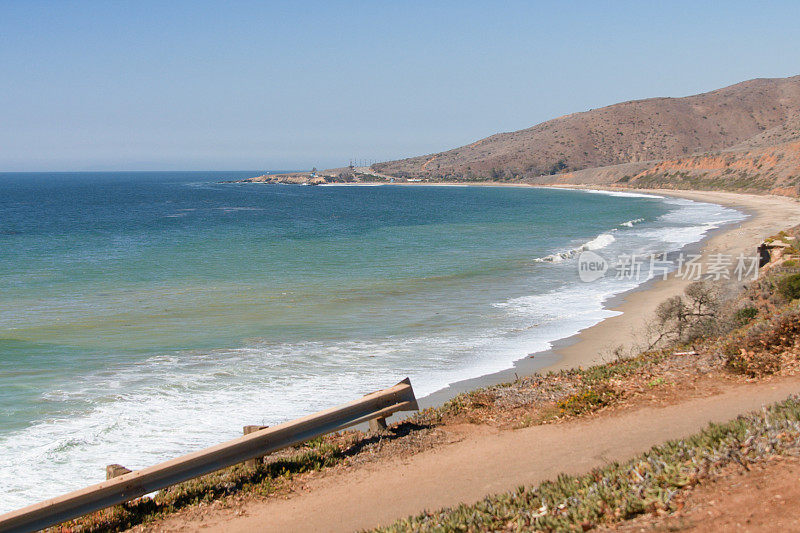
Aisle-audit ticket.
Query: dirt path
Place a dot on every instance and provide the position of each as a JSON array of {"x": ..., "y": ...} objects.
[
  {"x": 483, "y": 462},
  {"x": 428, "y": 162}
]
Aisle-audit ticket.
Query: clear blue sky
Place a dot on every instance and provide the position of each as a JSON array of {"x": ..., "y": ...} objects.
[{"x": 111, "y": 85}]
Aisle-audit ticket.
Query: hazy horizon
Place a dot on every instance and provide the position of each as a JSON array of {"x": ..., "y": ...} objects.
[{"x": 208, "y": 86}]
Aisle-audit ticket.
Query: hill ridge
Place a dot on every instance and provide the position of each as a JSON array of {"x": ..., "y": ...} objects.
[{"x": 633, "y": 131}]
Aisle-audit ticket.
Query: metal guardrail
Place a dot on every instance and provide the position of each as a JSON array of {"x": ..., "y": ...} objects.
[{"x": 377, "y": 405}]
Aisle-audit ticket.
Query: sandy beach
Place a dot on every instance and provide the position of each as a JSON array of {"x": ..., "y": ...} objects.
[{"x": 767, "y": 215}]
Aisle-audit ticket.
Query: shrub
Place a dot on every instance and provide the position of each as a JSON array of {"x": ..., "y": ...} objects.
[
  {"x": 684, "y": 319},
  {"x": 789, "y": 286},
  {"x": 745, "y": 314},
  {"x": 558, "y": 166},
  {"x": 761, "y": 349},
  {"x": 751, "y": 363},
  {"x": 589, "y": 399}
]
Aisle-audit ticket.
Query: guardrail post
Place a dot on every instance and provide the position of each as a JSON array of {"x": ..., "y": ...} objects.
[
  {"x": 251, "y": 463},
  {"x": 115, "y": 470},
  {"x": 377, "y": 424}
]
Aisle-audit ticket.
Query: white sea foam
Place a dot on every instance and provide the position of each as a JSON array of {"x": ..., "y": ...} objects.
[
  {"x": 621, "y": 194},
  {"x": 599, "y": 242},
  {"x": 690, "y": 222},
  {"x": 169, "y": 405},
  {"x": 138, "y": 414},
  {"x": 630, "y": 223}
]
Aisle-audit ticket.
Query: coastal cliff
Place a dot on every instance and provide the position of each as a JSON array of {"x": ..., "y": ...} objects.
[{"x": 772, "y": 169}]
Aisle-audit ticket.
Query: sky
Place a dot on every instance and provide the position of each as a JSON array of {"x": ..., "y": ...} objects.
[{"x": 198, "y": 85}]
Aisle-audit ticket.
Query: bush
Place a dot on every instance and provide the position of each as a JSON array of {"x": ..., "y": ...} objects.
[
  {"x": 558, "y": 166},
  {"x": 684, "y": 319},
  {"x": 789, "y": 287},
  {"x": 587, "y": 400},
  {"x": 760, "y": 350},
  {"x": 751, "y": 363},
  {"x": 745, "y": 314}
]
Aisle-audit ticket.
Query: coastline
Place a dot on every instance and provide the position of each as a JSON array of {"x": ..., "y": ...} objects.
[{"x": 766, "y": 216}]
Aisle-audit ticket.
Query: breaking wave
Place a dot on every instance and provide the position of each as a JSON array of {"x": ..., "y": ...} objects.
[
  {"x": 601, "y": 241},
  {"x": 630, "y": 223}
]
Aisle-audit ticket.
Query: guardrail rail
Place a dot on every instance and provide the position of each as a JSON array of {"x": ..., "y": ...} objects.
[{"x": 372, "y": 407}]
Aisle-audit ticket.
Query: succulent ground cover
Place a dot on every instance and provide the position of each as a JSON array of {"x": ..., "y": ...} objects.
[{"x": 647, "y": 484}]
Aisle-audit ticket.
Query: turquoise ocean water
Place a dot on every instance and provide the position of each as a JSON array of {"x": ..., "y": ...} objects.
[{"x": 145, "y": 315}]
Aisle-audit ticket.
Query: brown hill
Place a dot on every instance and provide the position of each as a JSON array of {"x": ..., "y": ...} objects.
[{"x": 746, "y": 116}]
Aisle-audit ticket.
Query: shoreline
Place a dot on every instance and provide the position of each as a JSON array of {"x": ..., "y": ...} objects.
[{"x": 766, "y": 215}]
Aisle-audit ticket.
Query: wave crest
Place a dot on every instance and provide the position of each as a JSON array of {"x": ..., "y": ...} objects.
[
  {"x": 601, "y": 241},
  {"x": 630, "y": 223}
]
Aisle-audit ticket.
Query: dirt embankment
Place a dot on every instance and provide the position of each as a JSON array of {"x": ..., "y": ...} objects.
[{"x": 773, "y": 170}]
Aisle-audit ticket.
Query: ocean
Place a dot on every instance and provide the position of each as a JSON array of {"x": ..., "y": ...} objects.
[{"x": 146, "y": 315}]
